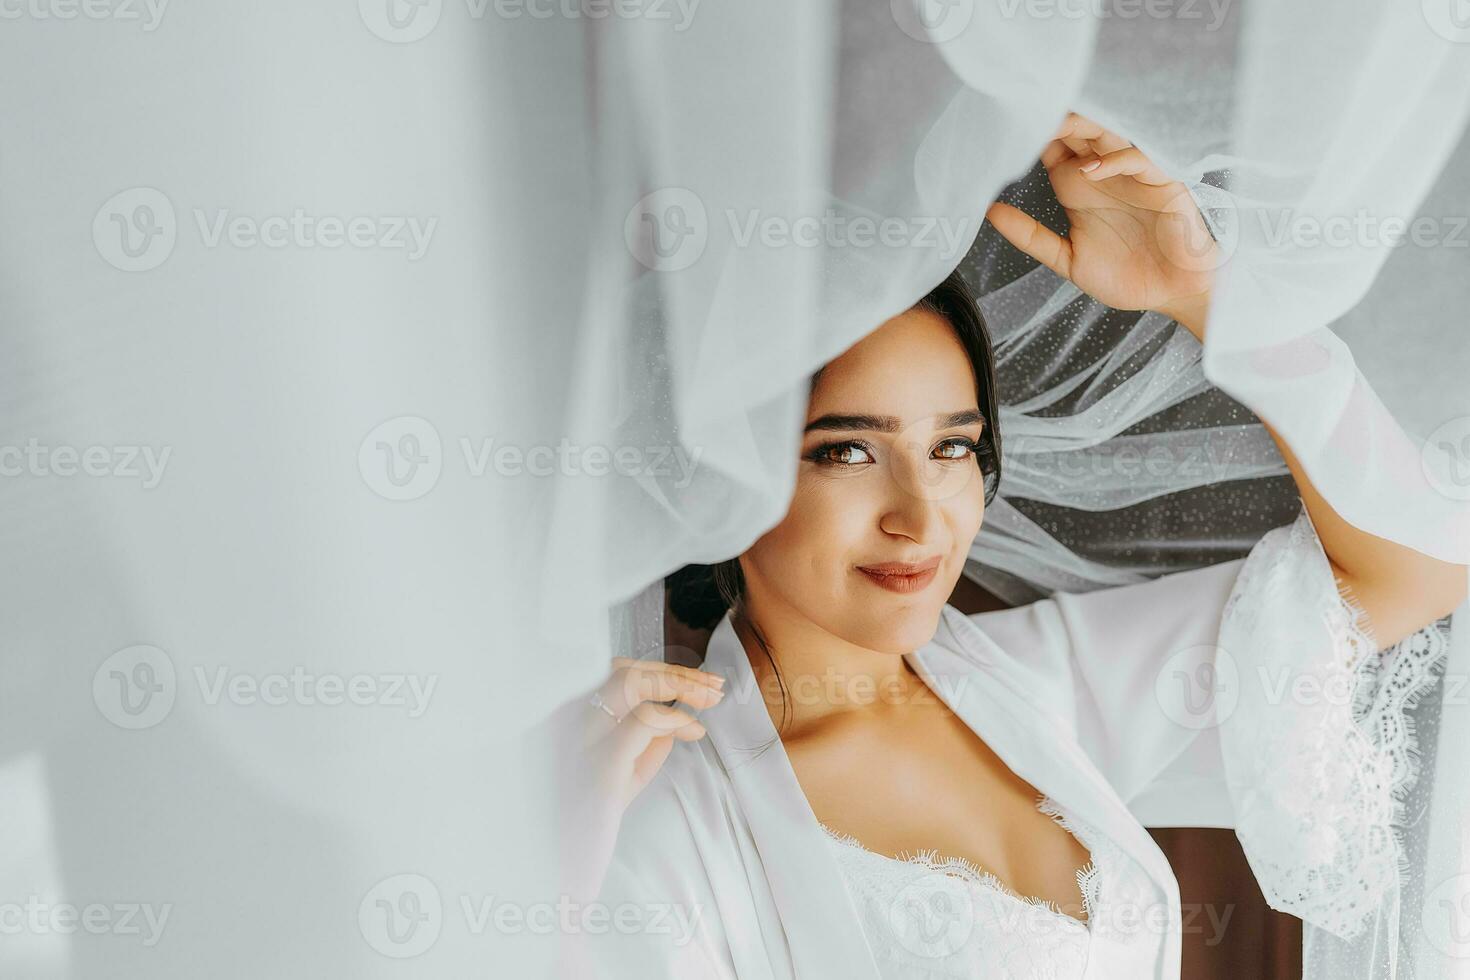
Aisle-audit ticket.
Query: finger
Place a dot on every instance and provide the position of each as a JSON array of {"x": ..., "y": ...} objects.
[
  {"x": 1032, "y": 237},
  {"x": 627, "y": 687},
  {"x": 1056, "y": 152},
  {"x": 650, "y": 721},
  {"x": 1080, "y": 128},
  {"x": 1129, "y": 162},
  {"x": 693, "y": 673},
  {"x": 646, "y": 766}
]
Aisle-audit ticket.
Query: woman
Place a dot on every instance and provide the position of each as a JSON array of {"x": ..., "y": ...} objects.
[{"x": 890, "y": 788}]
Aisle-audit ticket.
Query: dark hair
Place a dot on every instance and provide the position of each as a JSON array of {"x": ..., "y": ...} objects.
[{"x": 700, "y": 594}]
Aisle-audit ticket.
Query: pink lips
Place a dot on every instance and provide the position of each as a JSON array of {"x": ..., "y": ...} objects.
[{"x": 902, "y": 577}]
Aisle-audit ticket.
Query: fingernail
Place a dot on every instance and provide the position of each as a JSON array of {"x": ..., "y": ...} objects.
[
  {"x": 717, "y": 680},
  {"x": 1088, "y": 168},
  {"x": 718, "y": 695}
]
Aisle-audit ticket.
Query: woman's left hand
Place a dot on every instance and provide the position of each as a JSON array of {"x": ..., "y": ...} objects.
[{"x": 1137, "y": 240}]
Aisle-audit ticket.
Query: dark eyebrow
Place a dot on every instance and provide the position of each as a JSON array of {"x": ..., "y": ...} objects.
[{"x": 887, "y": 423}]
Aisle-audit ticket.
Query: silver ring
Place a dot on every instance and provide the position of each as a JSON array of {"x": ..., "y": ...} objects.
[{"x": 597, "y": 701}]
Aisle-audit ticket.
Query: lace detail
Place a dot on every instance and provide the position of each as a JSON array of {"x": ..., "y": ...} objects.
[
  {"x": 928, "y": 915},
  {"x": 1320, "y": 751}
]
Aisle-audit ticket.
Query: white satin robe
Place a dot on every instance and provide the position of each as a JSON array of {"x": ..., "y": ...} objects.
[{"x": 1099, "y": 700}]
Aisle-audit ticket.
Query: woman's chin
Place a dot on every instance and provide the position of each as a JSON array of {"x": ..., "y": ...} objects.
[{"x": 902, "y": 631}]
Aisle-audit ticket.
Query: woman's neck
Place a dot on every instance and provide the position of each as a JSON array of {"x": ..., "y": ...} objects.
[{"x": 824, "y": 676}]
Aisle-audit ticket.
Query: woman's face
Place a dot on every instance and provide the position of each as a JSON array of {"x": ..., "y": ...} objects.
[{"x": 888, "y": 478}]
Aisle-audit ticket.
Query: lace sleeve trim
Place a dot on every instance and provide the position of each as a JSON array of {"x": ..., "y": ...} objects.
[{"x": 1320, "y": 750}]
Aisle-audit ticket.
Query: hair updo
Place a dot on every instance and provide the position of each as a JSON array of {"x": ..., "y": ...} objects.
[{"x": 700, "y": 594}]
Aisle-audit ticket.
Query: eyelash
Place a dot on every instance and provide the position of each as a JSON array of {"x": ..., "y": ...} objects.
[{"x": 820, "y": 455}]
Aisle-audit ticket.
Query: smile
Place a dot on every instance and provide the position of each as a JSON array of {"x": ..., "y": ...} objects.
[{"x": 902, "y": 577}]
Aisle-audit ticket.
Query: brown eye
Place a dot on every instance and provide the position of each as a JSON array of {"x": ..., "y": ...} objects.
[
  {"x": 848, "y": 453},
  {"x": 956, "y": 449}
]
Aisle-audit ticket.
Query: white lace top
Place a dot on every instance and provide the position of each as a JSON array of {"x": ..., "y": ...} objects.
[{"x": 925, "y": 915}]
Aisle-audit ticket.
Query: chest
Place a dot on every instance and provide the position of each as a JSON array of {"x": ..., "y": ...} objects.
[{"x": 923, "y": 781}]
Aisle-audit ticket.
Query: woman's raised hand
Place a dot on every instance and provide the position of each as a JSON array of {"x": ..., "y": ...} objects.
[
  {"x": 1137, "y": 240},
  {"x": 629, "y": 734},
  {"x": 611, "y": 744}
]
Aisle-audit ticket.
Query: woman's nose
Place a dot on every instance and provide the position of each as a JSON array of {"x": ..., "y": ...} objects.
[{"x": 915, "y": 501}]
